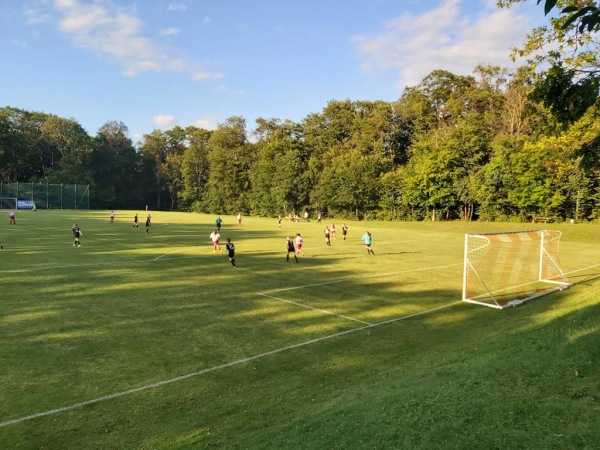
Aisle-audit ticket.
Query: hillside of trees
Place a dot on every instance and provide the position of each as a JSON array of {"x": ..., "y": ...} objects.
[{"x": 452, "y": 147}]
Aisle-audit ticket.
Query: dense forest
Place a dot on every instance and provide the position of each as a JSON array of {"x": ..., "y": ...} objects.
[
  {"x": 452, "y": 147},
  {"x": 495, "y": 145}
]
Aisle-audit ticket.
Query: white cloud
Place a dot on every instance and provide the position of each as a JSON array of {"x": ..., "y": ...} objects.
[
  {"x": 206, "y": 122},
  {"x": 103, "y": 28},
  {"x": 443, "y": 38},
  {"x": 33, "y": 17},
  {"x": 177, "y": 6},
  {"x": 164, "y": 120},
  {"x": 169, "y": 31},
  {"x": 18, "y": 42}
]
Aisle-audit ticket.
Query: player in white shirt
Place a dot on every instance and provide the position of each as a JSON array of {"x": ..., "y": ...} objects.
[{"x": 215, "y": 237}]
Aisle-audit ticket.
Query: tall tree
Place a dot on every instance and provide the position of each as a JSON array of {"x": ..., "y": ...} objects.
[
  {"x": 70, "y": 148},
  {"x": 194, "y": 168},
  {"x": 114, "y": 167},
  {"x": 567, "y": 52},
  {"x": 277, "y": 174},
  {"x": 230, "y": 158}
]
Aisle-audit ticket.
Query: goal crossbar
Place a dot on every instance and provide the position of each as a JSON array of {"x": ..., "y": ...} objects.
[{"x": 506, "y": 269}]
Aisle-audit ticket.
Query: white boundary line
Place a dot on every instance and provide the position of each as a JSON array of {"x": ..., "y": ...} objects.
[
  {"x": 211, "y": 369},
  {"x": 315, "y": 309}
]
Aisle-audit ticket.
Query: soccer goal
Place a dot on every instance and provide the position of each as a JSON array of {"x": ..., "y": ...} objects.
[
  {"x": 8, "y": 203},
  {"x": 510, "y": 268}
]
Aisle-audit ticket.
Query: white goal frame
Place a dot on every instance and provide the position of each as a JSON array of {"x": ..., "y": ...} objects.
[{"x": 550, "y": 276}]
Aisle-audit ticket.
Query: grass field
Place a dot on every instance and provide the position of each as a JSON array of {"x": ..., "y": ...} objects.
[{"x": 151, "y": 341}]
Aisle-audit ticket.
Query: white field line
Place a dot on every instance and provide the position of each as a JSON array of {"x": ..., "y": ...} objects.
[
  {"x": 210, "y": 369},
  {"x": 582, "y": 269},
  {"x": 360, "y": 278},
  {"x": 167, "y": 254},
  {"x": 315, "y": 309}
]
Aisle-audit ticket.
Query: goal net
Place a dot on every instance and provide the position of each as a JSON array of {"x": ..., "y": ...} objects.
[
  {"x": 8, "y": 203},
  {"x": 507, "y": 269}
]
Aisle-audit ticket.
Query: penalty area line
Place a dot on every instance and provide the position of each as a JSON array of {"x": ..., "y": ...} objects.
[
  {"x": 315, "y": 309},
  {"x": 167, "y": 254},
  {"x": 210, "y": 369}
]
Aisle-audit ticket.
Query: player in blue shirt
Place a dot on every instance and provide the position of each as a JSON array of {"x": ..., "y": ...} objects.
[{"x": 367, "y": 240}]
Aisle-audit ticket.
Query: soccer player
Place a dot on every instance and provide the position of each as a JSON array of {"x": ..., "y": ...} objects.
[
  {"x": 239, "y": 219},
  {"x": 333, "y": 231},
  {"x": 77, "y": 233},
  {"x": 299, "y": 242},
  {"x": 279, "y": 221},
  {"x": 148, "y": 223},
  {"x": 367, "y": 240},
  {"x": 344, "y": 231},
  {"x": 327, "y": 236},
  {"x": 11, "y": 217},
  {"x": 231, "y": 252},
  {"x": 135, "y": 221},
  {"x": 218, "y": 223},
  {"x": 215, "y": 237},
  {"x": 290, "y": 249},
  {"x": 112, "y": 217}
]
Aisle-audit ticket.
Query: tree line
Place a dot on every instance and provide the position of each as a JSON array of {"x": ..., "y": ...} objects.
[
  {"x": 494, "y": 145},
  {"x": 452, "y": 147}
]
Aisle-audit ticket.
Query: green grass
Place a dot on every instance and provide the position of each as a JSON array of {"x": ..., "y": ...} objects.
[{"x": 137, "y": 341}]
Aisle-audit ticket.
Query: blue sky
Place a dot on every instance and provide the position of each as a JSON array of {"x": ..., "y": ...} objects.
[{"x": 154, "y": 64}]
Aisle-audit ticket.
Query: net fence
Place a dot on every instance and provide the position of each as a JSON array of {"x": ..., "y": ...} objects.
[{"x": 47, "y": 196}]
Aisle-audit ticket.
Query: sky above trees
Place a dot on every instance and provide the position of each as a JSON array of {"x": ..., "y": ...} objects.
[{"x": 155, "y": 65}]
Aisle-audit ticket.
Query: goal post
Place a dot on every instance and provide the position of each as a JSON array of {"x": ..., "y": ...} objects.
[{"x": 509, "y": 268}]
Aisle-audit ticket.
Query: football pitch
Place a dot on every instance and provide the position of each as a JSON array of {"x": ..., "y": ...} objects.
[{"x": 153, "y": 341}]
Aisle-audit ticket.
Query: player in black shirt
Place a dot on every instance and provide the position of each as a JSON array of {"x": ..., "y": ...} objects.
[
  {"x": 77, "y": 235},
  {"x": 291, "y": 249},
  {"x": 231, "y": 252}
]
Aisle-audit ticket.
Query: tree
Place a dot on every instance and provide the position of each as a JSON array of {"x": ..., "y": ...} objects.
[
  {"x": 70, "y": 148},
  {"x": 567, "y": 52},
  {"x": 114, "y": 167},
  {"x": 24, "y": 156},
  {"x": 587, "y": 18},
  {"x": 277, "y": 175},
  {"x": 176, "y": 143},
  {"x": 194, "y": 168},
  {"x": 230, "y": 159},
  {"x": 153, "y": 151}
]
